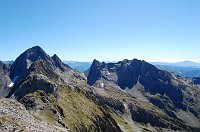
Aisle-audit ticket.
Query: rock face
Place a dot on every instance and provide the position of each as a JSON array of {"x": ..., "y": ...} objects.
[
  {"x": 196, "y": 80},
  {"x": 168, "y": 92},
  {"x": 24, "y": 61},
  {"x": 5, "y": 82},
  {"x": 95, "y": 72},
  {"x": 129, "y": 73},
  {"x": 4, "y": 68},
  {"x": 58, "y": 63},
  {"x": 5, "y": 85}
]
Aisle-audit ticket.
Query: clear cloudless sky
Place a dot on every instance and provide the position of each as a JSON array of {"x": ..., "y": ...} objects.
[{"x": 110, "y": 30}]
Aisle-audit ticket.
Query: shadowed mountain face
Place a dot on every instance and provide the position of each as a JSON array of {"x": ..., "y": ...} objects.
[
  {"x": 129, "y": 73},
  {"x": 196, "y": 80},
  {"x": 95, "y": 72},
  {"x": 24, "y": 61}
]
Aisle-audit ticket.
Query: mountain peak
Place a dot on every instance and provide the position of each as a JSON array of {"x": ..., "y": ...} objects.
[
  {"x": 55, "y": 56},
  {"x": 56, "y": 59},
  {"x": 24, "y": 61},
  {"x": 94, "y": 72},
  {"x": 36, "y": 50},
  {"x": 126, "y": 60},
  {"x": 58, "y": 63},
  {"x": 36, "y": 47},
  {"x": 95, "y": 62}
]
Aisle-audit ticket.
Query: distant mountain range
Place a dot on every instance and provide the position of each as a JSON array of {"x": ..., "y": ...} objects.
[
  {"x": 182, "y": 71},
  {"x": 80, "y": 66},
  {"x": 179, "y": 64},
  {"x": 9, "y": 62},
  {"x": 184, "y": 68}
]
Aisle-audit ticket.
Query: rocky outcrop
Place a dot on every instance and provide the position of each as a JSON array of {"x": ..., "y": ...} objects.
[
  {"x": 32, "y": 84},
  {"x": 196, "y": 80},
  {"x": 5, "y": 82},
  {"x": 14, "y": 117},
  {"x": 94, "y": 73},
  {"x": 4, "y": 68},
  {"x": 58, "y": 63},
  {"x": 5, "y": 85}
]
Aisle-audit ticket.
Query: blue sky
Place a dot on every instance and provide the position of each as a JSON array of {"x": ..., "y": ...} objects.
[{"x": 110, "y": 30}]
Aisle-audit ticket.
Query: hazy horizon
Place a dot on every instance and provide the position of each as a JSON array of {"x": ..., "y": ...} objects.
[
  {"x": 154, "y": 31},
  {"x": 163, "y": 60}
]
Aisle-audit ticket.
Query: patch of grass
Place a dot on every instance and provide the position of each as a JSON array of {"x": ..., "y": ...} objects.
[
  {"x": 79, "y": 111},
  {"x": 122, "y": 123}
]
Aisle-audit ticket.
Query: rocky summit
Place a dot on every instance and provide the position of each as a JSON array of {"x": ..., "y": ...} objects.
[{"x": 41, "y": 93}]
